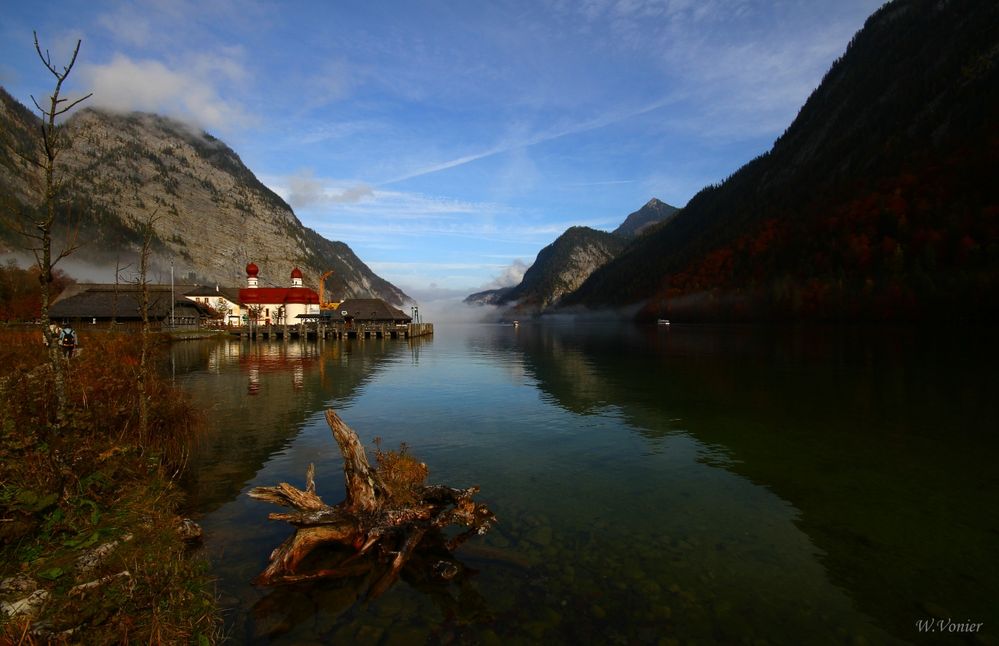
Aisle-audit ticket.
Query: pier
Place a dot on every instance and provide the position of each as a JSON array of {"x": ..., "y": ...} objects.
[{"x": 337, "y": 330}]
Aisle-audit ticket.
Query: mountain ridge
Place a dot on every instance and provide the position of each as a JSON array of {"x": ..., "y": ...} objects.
[{"x": 213, "y": 215}]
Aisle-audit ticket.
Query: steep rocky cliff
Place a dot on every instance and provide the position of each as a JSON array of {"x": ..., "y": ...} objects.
[
  {"x": 561, "y": 267},
  {"x": 212, "y": 215},
  {"x": 565, "y": 264}
]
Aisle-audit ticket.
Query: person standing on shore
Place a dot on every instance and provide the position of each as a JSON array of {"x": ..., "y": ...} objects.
[{"x": 67, "y": 339}]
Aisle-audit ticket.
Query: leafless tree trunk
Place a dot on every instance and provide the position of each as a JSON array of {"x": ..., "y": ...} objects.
[
  {"x": 52, "y": 142},
  {"x": 148, "y": 231},
  {"x": 114, "y": 302}
]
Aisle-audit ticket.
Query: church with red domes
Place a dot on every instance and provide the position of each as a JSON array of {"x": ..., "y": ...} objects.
[{"x": 277, "y": 305}]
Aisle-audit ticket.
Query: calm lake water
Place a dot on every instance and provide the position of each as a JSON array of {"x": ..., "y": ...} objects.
[{"x": 698, "y": 484}]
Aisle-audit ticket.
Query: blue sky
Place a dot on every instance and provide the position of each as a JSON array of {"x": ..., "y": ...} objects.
[{"x": 448, "y": 142}]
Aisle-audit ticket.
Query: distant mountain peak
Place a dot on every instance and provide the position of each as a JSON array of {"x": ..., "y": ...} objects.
[{"x": 639, "y": 222}]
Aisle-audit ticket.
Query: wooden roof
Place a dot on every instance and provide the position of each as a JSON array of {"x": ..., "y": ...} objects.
[
  {"x": 105, "y": 302},
  {"x": 371, "y": 309}
]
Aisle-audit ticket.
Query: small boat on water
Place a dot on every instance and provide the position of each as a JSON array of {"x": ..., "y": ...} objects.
[{"x": 663, "y": 322}]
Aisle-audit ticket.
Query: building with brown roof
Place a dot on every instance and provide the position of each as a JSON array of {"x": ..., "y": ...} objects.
[
  {"x": 122, "y": 304},
  {"x": 370, "y": 310}
]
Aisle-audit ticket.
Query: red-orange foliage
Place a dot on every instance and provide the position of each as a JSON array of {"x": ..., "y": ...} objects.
[
  {"x": 20, "y": 291},
  {"x": 921, "y": 242}
]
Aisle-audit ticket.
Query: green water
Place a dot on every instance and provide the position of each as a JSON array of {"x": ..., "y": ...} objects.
[{"x": 697, "y": 484}]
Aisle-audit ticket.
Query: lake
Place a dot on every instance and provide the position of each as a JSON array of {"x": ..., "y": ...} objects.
[{"x": 698, "y": 484}]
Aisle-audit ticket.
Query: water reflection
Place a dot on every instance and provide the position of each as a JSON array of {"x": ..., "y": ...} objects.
[
  {"x": 258, "y": 396},
  {"x": 719, "y": 485},
  {"x": 882, "y": 440}
]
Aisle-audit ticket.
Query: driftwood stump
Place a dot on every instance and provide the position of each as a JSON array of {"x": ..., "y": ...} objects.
[{"x": 383, "y": 518}]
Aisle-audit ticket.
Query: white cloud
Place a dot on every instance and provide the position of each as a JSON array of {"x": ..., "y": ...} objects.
[
  {"x": 304, "y": 191},
  {"x": 147, "y": 85},
  {"x": 511, "y": 275}
]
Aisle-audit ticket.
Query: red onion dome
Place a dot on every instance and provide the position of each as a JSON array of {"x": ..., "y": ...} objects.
[
  {"x": 252, "y": 270},
  {"x": 296, "y": 273}
]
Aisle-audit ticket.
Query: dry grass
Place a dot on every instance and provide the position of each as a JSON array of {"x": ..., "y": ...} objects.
[
  {"x": 96, "y": 480},
  {"x": 403, "y": 475}
]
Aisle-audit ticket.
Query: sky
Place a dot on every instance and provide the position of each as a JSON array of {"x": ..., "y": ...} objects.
[{"x": 448, "y": 142}]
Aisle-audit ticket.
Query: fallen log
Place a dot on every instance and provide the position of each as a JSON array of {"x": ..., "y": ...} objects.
[{"x": 384, "y": 518}]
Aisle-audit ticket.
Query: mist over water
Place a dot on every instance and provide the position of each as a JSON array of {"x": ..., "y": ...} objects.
[{"x": 448, "y": 308}]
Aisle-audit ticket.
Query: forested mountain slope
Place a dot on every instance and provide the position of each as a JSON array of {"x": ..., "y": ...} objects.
[{"x": 878, "y": 202}]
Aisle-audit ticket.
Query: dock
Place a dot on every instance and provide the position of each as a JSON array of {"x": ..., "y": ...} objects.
[{"x": 335, "y": 331}]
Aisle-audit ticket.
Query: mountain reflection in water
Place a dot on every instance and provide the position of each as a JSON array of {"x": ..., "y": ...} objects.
[{"x": 696, "y": 483}]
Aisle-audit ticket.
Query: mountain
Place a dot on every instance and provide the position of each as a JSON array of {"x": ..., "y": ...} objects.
[
  {"x": 644, "y": 218},
  {"x": 560, "y": 268},
  {"x": 878, "y": 202},
  {"x": 213, "y": 216},
  {"x": 563, "y": 265},
  {"x": 487, "y": 297}
]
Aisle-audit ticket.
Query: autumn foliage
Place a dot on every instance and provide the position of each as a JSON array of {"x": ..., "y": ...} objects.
[
  {"x": 922, "y": 244},
  {"x": 20, "y": 291}
]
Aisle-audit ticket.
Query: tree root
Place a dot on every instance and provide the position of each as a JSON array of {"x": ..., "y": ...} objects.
[{"x": 383, "y": 525}]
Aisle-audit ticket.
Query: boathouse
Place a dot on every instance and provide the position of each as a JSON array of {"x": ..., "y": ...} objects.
[
  {"x": 370, "y": 310},
  {"x": 121, "y": 304}
]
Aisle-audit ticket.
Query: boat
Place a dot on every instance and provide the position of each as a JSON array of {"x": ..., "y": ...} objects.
[{"x": 663, "y": 322}]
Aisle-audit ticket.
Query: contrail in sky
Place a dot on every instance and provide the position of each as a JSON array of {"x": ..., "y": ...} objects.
[{"x": 585, "y": 126}]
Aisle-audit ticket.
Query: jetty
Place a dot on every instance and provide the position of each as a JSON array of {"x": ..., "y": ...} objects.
[{"x": 334, "y": 330}]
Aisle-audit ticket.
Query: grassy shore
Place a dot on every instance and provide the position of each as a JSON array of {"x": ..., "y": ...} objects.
[{"x": 91, "y": 548}]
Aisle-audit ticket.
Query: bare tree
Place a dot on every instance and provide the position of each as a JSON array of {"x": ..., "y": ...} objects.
[
  {"x": 117, "y": 280},
  {"x": 53, "y": 141},
  {"x": 148, "y": 229}
]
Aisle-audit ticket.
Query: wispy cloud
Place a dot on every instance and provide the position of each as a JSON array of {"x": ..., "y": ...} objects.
[
  {"x": 602, "y": 182},
  {"x": 332, "y": 131}
]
